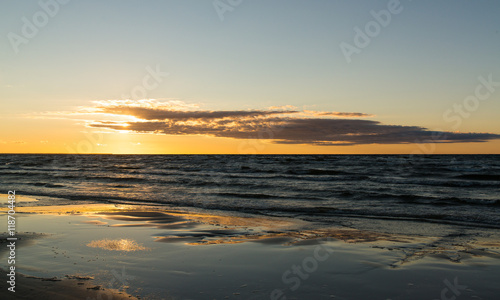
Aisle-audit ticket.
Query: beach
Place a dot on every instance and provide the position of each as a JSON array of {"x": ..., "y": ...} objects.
[{"x": 116, "y": 251}]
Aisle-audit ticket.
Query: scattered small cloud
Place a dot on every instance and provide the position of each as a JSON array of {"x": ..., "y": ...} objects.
[
  {"x": 283, "y": 107},
  {"x": 13, "y": 142},
  {"x": 337, "y": 114}
]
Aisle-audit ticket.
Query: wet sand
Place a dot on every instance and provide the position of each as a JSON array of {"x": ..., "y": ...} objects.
[
  {"x": 67, "y": 287},
  {"x": 53, "y": 289},
  {"x": 153, "y": 252}
]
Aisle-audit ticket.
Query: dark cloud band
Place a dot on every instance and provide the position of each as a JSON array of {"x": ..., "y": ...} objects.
[
  {"x": 161, "y": 114},
  {"x": 282, "y": 127}
]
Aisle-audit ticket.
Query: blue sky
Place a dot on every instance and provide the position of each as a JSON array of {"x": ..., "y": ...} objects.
[{"x": 264, "y": 53}]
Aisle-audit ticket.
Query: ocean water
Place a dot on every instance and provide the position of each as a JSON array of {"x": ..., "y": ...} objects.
[{"x": 448, "y": 189}]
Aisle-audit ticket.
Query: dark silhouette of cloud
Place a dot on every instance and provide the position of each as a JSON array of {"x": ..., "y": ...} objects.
[
  {"x": 284, "y": 127},
  {"x": 339, "y": 114},
  {"x": 146, "y": 113}
]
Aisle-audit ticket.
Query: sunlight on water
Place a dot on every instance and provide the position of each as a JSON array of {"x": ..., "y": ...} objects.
[{"x": 118, "y": 245}]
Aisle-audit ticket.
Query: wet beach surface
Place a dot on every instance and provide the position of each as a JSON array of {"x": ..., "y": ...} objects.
[{"x": 158, "y": 253}]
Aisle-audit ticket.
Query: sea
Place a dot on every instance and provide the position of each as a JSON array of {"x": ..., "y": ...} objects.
[{"x": 446, "y": 189}]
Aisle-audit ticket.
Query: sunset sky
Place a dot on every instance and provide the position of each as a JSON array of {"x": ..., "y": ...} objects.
[{"x": 250, "y": 76}]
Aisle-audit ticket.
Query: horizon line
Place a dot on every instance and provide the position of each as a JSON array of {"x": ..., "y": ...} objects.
[{"x": 256, "y": 154}]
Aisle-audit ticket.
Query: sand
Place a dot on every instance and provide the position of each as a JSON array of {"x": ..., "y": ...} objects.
[
  {"x": 65, "y": 289},
  {"x": 154, "y": 252}
]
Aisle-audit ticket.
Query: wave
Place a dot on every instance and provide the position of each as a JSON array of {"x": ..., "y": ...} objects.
[
  {"x": 264, "y": 196},
  {"x": 323, "y": 187},
  {"x": 455, "y": 182},
  {"x": 48, "y": 185},
  {"x": 487, "y": 177},
  {"x": 319, "y": 172}
]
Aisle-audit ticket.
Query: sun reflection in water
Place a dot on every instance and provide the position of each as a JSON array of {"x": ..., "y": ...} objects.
[{"x": 118, "y": 245}]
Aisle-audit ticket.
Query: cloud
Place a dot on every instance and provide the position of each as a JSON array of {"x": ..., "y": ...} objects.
[
  {"x": 162, "y": 114},
  {"x": 13, "y": 142},
  {"x": 284, "y": 107},
  {"x": 277, "y": 124},
  {"x": 337, "y": 114},
  {"x": 355, "y": 132},
  {"x": 324, "y": 132}
]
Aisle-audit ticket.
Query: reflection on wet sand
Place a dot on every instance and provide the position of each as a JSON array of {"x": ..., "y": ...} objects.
[
  {"x": 117, "y": 245},
  {"x": 198, "y": 229},
  {"x": 202, "y": 229}
]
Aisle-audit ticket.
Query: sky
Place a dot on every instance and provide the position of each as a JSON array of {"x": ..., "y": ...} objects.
[{"x": 250, "y": 77}]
